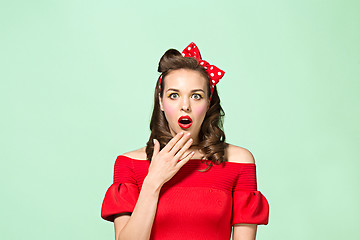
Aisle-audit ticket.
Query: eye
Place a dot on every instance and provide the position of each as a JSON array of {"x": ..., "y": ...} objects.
[
  {"x": 197, "y": 96},
  {"x": 173, "y": 94}
]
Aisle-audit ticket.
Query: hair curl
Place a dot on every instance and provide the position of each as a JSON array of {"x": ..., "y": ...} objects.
[{"x": 211, "y": 136}]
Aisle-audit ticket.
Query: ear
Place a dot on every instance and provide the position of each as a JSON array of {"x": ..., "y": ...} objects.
[{"x": 161, "y": 104}]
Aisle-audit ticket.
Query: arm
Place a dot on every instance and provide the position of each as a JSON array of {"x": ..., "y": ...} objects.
[
  {"x": 164, "y": 165},
  {"x": 244, "y": 231},
  {"x": 127, "y": 227}
]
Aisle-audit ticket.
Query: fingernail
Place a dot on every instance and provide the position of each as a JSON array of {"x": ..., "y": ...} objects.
[{"x": 154, "y": 141}]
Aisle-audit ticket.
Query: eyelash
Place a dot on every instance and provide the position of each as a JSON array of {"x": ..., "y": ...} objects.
[{"x": 200, "y": 97}]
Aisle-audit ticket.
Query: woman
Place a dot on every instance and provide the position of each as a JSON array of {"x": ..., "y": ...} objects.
[{"x": 187, "y": 183}]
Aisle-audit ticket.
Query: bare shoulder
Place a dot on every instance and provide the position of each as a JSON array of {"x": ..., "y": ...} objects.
[
  {"x": 139, "y": 154},
  {"x": 238, "y": 154}
]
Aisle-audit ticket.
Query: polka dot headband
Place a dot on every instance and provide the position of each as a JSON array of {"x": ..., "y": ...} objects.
[{"x": 215, "y": 74}]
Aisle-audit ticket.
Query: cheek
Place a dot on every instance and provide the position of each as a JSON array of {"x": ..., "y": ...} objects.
[
  {"x": 169, "y": 109},
  {"x": 200, "y": 110}
]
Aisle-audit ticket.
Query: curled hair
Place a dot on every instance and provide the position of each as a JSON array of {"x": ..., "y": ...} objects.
[{"x": 211, "y": 136}]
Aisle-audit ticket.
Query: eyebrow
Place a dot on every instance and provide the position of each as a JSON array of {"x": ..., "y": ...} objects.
[{"x": 176, "y": 90}]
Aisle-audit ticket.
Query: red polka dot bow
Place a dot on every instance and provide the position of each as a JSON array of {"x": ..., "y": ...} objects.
[{"x": 215, "y": 74}]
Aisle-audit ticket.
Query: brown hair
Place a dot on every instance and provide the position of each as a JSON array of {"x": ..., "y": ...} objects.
[{"x": 211, "y": 136}]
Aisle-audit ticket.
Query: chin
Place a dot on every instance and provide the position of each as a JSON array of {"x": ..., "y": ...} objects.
[{"x": 179, "y": 129}]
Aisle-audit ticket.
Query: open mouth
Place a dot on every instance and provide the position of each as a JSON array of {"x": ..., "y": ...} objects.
[{"x": 185, "y": 121}]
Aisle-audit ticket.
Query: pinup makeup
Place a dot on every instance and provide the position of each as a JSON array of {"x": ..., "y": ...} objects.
[{"x": 185, "y": 121}]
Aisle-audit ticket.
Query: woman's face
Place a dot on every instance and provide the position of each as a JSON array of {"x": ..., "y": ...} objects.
[{"x": 185, "y": 95}]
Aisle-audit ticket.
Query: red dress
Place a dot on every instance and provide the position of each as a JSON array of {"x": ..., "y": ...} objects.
[{"x": 192, "y": 204}]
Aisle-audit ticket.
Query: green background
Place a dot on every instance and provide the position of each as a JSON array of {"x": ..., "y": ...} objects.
[{"x": 77, "y": 81}]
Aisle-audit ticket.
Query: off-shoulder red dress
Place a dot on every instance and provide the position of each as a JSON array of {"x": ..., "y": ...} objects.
[{"x": 192, "y": 204}]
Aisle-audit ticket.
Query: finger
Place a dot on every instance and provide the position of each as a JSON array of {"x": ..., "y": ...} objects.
[
  {"x": 185, "y": 160},
  {"x": 172, "y": 142},
  {"x": 180, "y": 144},
  {"x": 156, "y": 147},
  {"x": 180, "y": 153}
]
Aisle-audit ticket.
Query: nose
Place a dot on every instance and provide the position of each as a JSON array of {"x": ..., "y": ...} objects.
[{"x": 185, "y": 105}]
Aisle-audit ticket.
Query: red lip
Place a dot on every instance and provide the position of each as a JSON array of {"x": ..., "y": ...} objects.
[{"x": 182, "y": 125}]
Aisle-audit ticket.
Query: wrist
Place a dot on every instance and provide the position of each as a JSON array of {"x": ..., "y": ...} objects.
[{"x": 152, "y": 184}]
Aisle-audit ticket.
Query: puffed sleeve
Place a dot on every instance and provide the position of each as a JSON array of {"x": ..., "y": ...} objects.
[
  {"x": 122, "y": 195},
  {"x": 249, "y": 205}
]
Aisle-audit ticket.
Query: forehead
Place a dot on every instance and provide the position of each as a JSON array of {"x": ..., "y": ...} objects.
[{"x": 185, "y": 79}]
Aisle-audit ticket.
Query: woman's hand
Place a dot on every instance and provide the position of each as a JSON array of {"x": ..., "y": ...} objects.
[{"x": 165, "y": 163}]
